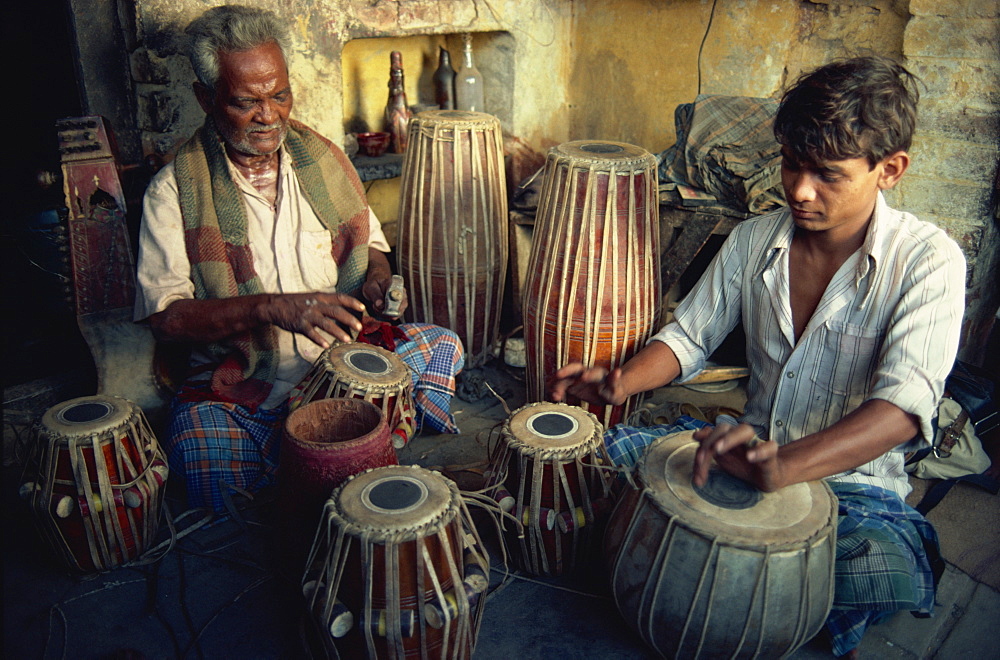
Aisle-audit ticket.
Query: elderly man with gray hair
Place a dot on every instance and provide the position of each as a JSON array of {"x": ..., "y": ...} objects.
[{"x": 256, "y": 244}]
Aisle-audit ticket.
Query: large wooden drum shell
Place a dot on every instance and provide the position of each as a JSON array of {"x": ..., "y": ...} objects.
[
  {"x": 452, "y": 243},
  {"x": 694, "y": 584},
  {"x": 98, "y": 490},
  {"x": 593, "y": 284}
]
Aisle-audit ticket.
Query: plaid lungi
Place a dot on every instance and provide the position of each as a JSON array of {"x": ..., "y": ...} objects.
[
  {"x": 627, "y": 444},
  {"x": 887, "y": 560},
  {"x": 212, "y": 441}
]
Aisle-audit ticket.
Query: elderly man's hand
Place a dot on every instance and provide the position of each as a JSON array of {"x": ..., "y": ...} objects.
[
  {"x": 738, "y": 451},
  {"x": 592, "y": 384},
  {"x": 308, "y": 313},
  {"x": 374, "y": 291}
]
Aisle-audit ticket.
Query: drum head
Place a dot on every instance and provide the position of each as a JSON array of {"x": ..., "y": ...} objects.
[
  {"x": 727, "y": 507},
  {"x": 87, "y": 415},
  {"x": 364, "y": 363},
  {"x": 553, "y": 430},
  {"x": 399, "y": 502},
  {"x": 603, "y": 154},
  {"x": 456, "y": 119}
]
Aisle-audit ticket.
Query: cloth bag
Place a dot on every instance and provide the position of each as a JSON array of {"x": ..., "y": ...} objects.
[{"x": 958, "y": 450}]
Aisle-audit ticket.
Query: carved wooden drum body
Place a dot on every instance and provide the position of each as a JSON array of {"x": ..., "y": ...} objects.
[
  {"x": 370, "y": 373},
  {"x": 452, "y": 243},
  {"x": 593, "y": 284},
  {"x": 547, "y": 472},
  {"x": 397, "y": 568},
  {"x": 98, "y": 490},
  {"x": 723, "y": 571}
]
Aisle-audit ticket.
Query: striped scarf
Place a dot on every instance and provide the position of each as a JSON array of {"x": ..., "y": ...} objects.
[{"x": 215, "y": 234}]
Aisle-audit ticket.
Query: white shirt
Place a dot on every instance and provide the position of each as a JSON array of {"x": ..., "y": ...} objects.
[
  {"x": 887, "y": 327},
  {"x": 291, "y": 252}
]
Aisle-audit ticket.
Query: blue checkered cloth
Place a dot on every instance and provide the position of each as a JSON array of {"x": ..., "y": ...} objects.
[
  {"x": 626, "y": 444},
  {"x": 888, "y": 560}
]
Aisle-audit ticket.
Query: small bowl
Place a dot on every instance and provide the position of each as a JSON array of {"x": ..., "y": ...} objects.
[{"x": 373, "y": 144}]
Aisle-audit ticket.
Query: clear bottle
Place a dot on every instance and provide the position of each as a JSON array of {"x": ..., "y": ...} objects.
[
  {"x": 444, "y": 82},
  {"x": 468, "y": 81}
]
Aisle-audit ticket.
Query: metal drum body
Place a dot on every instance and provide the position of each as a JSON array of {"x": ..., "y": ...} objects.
[
  {"x": 363, "y": 371},
  {"x": 98, "y": 489},
  {"x": 593, "y": 284},
  {"x": 397, "y": 568},
  {"x": 547, "y": 473},
  {"x": 725, "y": 571},
  {"x": 452, "y": 242}
]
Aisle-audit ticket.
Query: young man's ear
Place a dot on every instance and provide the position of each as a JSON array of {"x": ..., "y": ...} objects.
[
  {"x": 893, "y": 166},
  {"x": 205, "y": 96}
]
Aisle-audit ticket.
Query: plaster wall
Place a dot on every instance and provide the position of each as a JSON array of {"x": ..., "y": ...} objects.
[{"x": 571, "y": 69}]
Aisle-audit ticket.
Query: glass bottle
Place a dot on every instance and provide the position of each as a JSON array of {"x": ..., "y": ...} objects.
[
  {"x": 397, "y": 111},
  {"x": 468, "y": 81},
  {"x": 444, "y": 82}
]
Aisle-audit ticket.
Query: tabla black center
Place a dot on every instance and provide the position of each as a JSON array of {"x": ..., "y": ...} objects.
[
  {"x": 552, "y": 425},
  {"x": 602, "y": 148},
  {"x": 368, "y": 362},
  {"x": 394, "y": 495},
  {"x": 84, "y": 413},
  {"x": 728, "y": 492}
]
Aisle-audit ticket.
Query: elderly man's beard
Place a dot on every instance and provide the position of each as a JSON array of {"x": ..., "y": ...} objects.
[{"x": 243, "y": 144}]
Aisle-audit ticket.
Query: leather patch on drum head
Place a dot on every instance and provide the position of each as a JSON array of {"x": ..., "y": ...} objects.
[
  {"x": 368, "y": 362},
  {"x": 394, "y": 495},
  {"x": 552, "y": 425},
  {"x": 85, "y": 413},
  {"x": 724, "y": 490}
]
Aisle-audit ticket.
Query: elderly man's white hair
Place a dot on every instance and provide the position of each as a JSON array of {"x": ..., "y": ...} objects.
[{"x": 229, "y": 29}]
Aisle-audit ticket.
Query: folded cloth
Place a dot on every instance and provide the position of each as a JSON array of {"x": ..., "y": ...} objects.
[
  {"x": 726, "y": 147},
  {"x": 888, "y": 560}
]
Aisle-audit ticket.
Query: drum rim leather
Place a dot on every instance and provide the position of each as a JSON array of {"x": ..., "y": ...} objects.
[
  {"x": 630, "y": 157},
  {"x": 119, "y": 415},
  {"x": 664, "y": 496},
  {"x": 578, "y": 444},
  {"x": 347, "y": 509},
  {"x": 334, "y": 359},
  {"x": 452, "y": 119}
]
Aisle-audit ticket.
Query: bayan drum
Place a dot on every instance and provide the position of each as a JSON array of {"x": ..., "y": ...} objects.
[
  {"x": 367, "y": 372},
  {"x": 99, "y": 485},
  {"x": 397, "y": 568},
  {"x": 549, "y": 471},
  {"x": 452, "y": 243},
  {"x": 723, "y": 570},
  {"x": 592, "y": 293}
]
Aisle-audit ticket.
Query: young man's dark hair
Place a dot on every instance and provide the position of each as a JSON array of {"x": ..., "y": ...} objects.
[{"x": 865, "y": 107}]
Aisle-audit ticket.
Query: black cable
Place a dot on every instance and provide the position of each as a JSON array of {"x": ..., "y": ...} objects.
[{"x": 703, "y": 38}]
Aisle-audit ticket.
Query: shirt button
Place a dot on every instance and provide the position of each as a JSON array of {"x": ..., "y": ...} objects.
[
  {"x": 779, "y": 423},
  {"x": 791, "y": 374}
]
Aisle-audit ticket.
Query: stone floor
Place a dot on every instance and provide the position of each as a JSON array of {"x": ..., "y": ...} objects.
[{"x": 222, "y": 591}]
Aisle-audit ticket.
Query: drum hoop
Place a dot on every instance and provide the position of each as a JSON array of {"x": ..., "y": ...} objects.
[
  {"x": 335, "y": 363},
  {"x": 334, "y": 513},
  {"x": 122, "y": 413},
  {"x": 815, "y": 524},
  {"x": 431, "y": 118},
  {"x": 584, "y": 447}
]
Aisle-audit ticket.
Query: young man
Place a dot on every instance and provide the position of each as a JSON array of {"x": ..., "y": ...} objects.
[
  {"x": 852, "y": 312},
  {"x": 256, "y": 244}
]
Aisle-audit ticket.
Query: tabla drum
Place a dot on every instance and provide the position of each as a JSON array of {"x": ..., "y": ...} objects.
[
  {"x": 325, "y": 442},
  {"x": 547, "y": 471},
  {"x": 97, "y": 488},
  {"x": 452, "y": 243},
  {"x": 367, "y": 372},
  {"x": 593, "y": 284},
  {"x": 397, "y": 568},
  {"x": 722, "y": 571}
]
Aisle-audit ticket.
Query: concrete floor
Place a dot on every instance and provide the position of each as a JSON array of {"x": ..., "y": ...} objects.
[{"x": 224, "y": 592}]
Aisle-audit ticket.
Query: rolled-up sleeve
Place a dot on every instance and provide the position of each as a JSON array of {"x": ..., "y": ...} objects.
[
  {"x": 922, "y": 338},
  {"x": 164, "y": 272}
]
